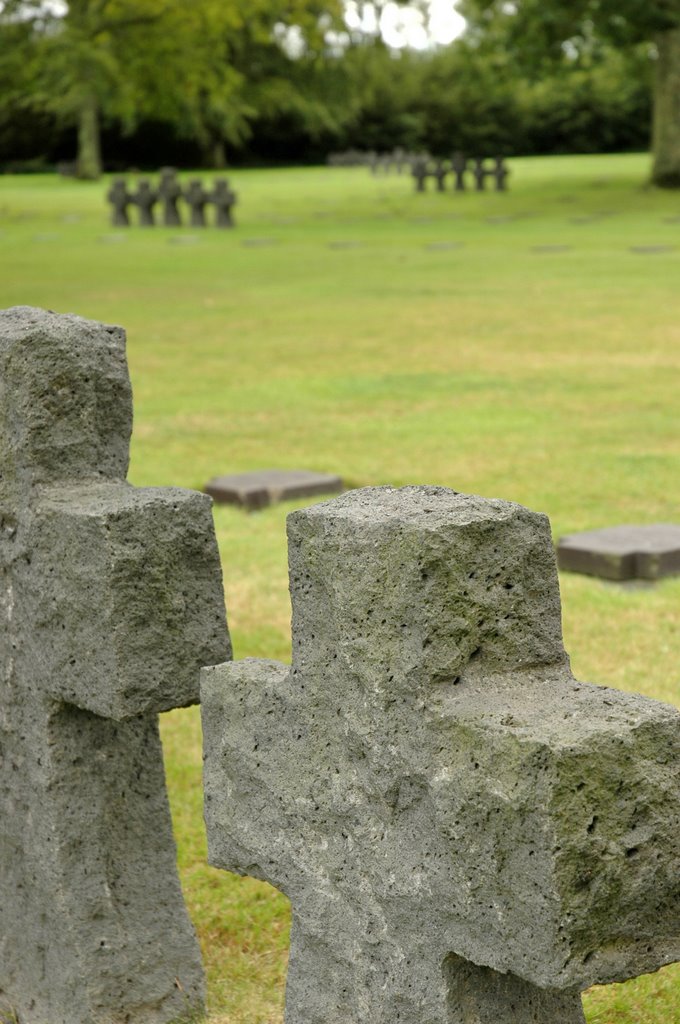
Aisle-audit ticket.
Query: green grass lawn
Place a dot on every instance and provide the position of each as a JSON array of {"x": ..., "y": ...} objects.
[{"x": 349, "y": 325}]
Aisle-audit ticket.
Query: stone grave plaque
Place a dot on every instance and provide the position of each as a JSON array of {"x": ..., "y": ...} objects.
[
  {"x": 268, "y": 486},
  {"x": 623, "y": 552},
  {"x": 651, "y": 250}
]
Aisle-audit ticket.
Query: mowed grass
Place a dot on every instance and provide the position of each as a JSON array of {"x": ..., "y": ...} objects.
[{"x": 509, "y": 345}]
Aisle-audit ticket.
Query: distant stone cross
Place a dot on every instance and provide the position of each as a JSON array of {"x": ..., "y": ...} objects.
[
  {"x": 420, "y": 172},
  {"x": 197, "y": 199},
  {"x": 480, "y": 173},
  {"x": 439, "y": 173},
  {"x": 459, "y": 166},
  {"x": 501, "y": 174},
  {"x": 145, "y": 199},
  {"x": 120, "y": 200},
  {"x": 223, "y": 199},
  {"x": 466, "y": 833},
  {"x": 170, "y": 192},
  {"x": 110, "y": 600}
]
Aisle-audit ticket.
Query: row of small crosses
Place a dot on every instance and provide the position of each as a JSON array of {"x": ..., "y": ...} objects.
[
  {"x": 398, "y": 160},
  {"x": 459, "y": 166},
  {"x": 169, "y": 192}
]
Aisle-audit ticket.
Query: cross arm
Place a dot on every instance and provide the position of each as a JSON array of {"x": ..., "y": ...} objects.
[
  {"x": 562, "y": 802},
  {"x": 124, "y": 588}
]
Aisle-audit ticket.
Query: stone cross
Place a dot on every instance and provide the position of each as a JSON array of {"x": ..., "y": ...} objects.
[
  {"x": 223, "y": 199},
  {"x": 459, "y": 166},
  {"x": 145, "y": 198},
  {"x": 170, "y": 192},
  {"x": 420, "y": 172},
  {"x": 480, "y": 172},
  {"x": 439, "y": 173},
  {"x": 120, "y": 199},
  {"x": 197, "y": 198},
  {"x": 501, "y": 174},
  {"x": 110, "y": 600},
  {"x": 467, "y": 834}
]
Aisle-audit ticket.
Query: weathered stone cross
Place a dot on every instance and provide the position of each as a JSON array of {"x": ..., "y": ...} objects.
[
  {"x": 466, "y": 833},
  {"x": 110, "y": 600}
]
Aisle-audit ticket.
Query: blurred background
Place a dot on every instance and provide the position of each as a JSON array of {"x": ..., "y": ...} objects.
[{"x": 142, "y": 83}]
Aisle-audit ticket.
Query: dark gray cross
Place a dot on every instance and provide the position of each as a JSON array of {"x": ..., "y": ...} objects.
[
  {"x": 170, "y": 192},
  {"x": 501, "y": 174},
  {"x": 439, "y": 173},
  {"x": 110, "y": 600},
  {"x": 480, "y": 172},
  {"x": 459, "y": 166},
  {"x": 145, "y": 199},
  {"x": 120, "y": 199},
  {"x": 467, "y": 834},
  {"x": 420, "y": 172},
  {"x": 223, "y": 199},
  {"x": 197, "y": 198}
]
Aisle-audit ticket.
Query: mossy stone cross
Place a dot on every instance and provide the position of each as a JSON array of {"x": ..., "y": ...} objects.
[
  {"x": 466, "y": 833},
  {"x": 110, "y": 601}
]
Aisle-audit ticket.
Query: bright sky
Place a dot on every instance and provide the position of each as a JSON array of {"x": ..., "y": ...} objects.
[{"x": 405, "y": 26}]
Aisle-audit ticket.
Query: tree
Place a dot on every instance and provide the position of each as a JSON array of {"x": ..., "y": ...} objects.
[
  {"x": 549, "y": 31},
  {"x": 126, "y": 59}
]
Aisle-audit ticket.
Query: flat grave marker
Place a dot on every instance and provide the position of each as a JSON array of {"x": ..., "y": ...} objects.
[
  {"x": 443, "y": 246},
  {"x": 651, "y": 250},
  {"x": 623, "y": 552},
  {"x": 256, "y": 243},
  {"x": 265, "y": 487}
]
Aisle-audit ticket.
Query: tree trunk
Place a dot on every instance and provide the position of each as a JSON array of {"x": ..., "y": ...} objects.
[
  {"x": 666, "y": 139},
  {"x": 89, "y": 150}
]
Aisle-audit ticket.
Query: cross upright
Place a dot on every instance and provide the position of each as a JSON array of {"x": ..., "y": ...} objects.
[
  {"x": 145, "y": 199},
  {"x": 170, "y": 192},
  {"x": 480, "y": 173},
  {"x": 459, "y": 166},
  {"x": 110, "y": 601},
  {"x": 223, "y": 199},
  {"x": 420, "y": 172},
  {"x": 439, "y": 173},
  {"x": 120, "y": 199},
  {"x": 501, "y": 173},
  {"x": 197, "y": 199},
  {"x": 467, "y": 834}
]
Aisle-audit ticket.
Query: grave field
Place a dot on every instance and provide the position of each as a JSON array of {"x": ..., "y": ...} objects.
[{"x": 522, "y": 345}]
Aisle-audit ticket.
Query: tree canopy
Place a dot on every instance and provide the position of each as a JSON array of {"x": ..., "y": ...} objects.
[
  {"x": 538, "y": 32},
  {"x": 163, "y": 58},
  {"x": 211, "y": 80}
]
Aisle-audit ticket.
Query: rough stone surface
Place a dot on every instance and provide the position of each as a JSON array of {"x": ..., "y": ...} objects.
[
  {"x": 466, "y": 833},
  {"x": 268, "y": 486},
  {"x": 110, "y": 600},
  {"x": 623, "y": 552}
]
